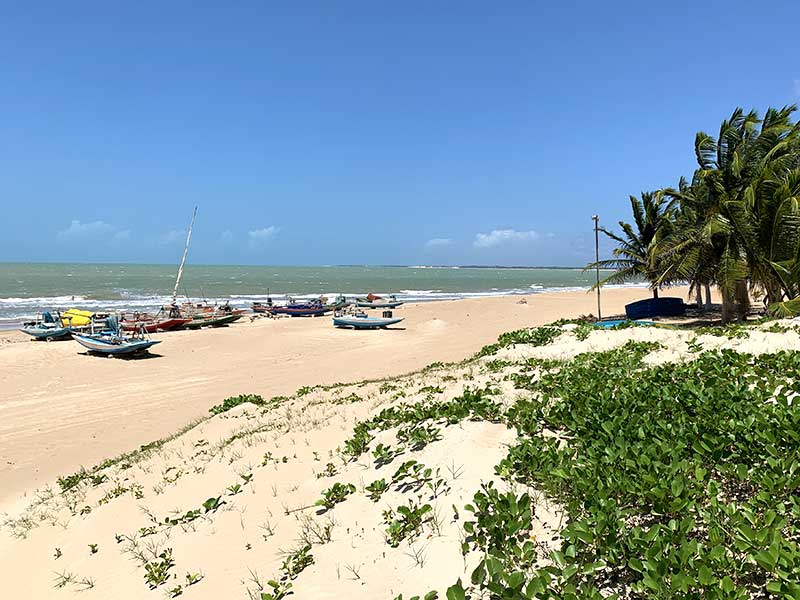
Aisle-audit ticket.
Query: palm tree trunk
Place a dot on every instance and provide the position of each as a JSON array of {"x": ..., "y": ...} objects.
[
  {"x": 742, "y": 300},
  {"x": 727, "y": 308},
  {"x": 708, "y": 296},
  {"x": 655, "y": 292},
  {"x": 699, "y": 294}
]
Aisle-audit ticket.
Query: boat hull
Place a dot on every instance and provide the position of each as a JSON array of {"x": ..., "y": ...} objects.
[
  {"x": 211, "y": 321},
  {"x": 298, "y": 311},
  {"x": 153, "y": 326},
  {"x": 394, "y": 304},
  {"x": 47, "y": 333},
  {"x": 107, "y": 345},
  {"x": 365, "y": 322}
]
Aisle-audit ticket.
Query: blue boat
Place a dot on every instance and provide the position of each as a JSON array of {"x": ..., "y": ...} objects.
[
  {"x": 113, "y": 345},
  {"x": 111, "y": 342},
  {"x": 49, "y": 328},
  {"x": 655, "y": 307},
  {"x": 364, "y": 322},
  {"x": 610, "y": 324}
]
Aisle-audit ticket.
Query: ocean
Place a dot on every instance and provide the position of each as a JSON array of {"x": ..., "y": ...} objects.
[{"x": 26, "y": 289}]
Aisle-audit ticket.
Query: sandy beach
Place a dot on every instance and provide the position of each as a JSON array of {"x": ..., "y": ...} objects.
[
  {"x": 61, "y": 409},
  {"x": 338, "y": 487}
]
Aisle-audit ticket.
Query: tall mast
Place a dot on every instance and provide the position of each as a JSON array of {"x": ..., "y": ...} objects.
[{"x": 183, "y": 260}]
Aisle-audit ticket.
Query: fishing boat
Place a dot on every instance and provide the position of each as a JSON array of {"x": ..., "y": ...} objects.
[
  {"x": 299, "y": 310},
  {"x": 150, "y": 324},
  {"x": 48, "y": 328},
  {"x": 111, "y": 342},
  {"x": 313, "y": 308},
  {"x": 219, "y": 320},
  {"x": 76, "y": 318},
  {"x": 362, "y": 321},
  {"x": 373, "y": 301}
]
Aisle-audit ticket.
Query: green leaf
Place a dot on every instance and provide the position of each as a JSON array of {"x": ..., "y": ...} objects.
[
  {"x": 456, "y": 592},
  {"x": 727, "y": 584},
  {"x": 705, "y": 576}
]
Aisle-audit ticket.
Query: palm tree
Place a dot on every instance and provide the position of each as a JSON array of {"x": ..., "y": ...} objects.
[
  {"x": 733, "y": 227},
  {"x": 635, "y": 257}
]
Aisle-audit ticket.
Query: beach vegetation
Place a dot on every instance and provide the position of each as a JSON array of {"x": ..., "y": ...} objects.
[
  {"x": 234, "y": 401},
  {"x": 384, "y": 454},
  {"x": 417, "y": 436},
  {"x": 156, "y": 571},
  {"x": 315, "y": 532},
  {"x": 412, "y": 476},
  {"x": 329, "y": 471},
  {"x": 212, "y": 504},
  {"x": 375, "y": 489},
  {"x": 280, "y": 590},
  {"x": 406, "y": 521},
  {"x": 66, "y": 578},
  {"x": 335, "y": 494},
  {"x": 296, "y": 561},
  {"x": 536, "y": 336},
  {"x": 431, "y": 389},
  {"x": 697, "y": 493}
]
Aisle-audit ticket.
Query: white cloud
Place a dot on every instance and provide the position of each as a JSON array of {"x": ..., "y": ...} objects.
[
  {"x": 499, "y": 237},
  {"x": 438, "y": 242},
  {"x": 78, "y": 230},
  {"x": 173, "y": 236},
  {"x": 257, "y": 237}
]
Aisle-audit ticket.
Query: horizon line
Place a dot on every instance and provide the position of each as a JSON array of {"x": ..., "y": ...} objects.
[{"x": 351, "y": 265}]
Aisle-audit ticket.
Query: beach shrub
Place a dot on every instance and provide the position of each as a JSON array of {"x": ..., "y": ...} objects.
[
  {"x": 538, "y": 336},
  {"x": 67, "y": 482},
  {"x": 383, "y": 455},
  {"x": 678, "y": 480},
  {"x": 235, "y": 401},
  {"x": 475, "y": 404},
  {"x": 376, "y": 489},
  {"x": 417, "y": 436},
  {"x": 406, "y": 522},
  {"x": 156, "y": 572},
  {"x": 338, "y": 492},
  {"x": 295, "y": 562}
]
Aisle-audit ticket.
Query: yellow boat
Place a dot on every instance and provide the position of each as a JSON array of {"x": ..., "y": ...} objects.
[{"x": 76, "y": 318}]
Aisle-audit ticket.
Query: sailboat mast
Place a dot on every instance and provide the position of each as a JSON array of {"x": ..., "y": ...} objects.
[{"x": 183, "y": 260}]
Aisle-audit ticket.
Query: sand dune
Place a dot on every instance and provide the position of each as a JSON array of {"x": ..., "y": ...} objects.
[{"x": 237, "y": 499}]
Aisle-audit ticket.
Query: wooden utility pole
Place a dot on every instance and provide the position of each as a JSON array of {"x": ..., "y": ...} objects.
[{"x": 596, "y": 220}]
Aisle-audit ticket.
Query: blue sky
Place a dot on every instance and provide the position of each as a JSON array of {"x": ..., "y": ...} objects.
[{"x": 362, "y": 131}]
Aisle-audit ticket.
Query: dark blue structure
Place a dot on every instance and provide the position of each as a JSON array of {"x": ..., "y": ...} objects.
[{"x": 655, "y": 307}]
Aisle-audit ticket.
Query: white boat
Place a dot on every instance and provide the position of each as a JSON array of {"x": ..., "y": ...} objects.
[{"x": 364, "y": 322}]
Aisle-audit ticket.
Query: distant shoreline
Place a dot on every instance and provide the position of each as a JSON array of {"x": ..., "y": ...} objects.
[{"x": 310, "y": 266}]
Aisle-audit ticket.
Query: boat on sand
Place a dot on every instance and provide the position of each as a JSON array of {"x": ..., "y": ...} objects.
[
  {"x": 150, "y": 324},
  {"x": 111, "y": 342},
  {"x": 219, "y": 320},
  {"x": 313, "y": 308},
  {"x": 373, "y": 301},
  {"x": 48, "y": 328},
  {"x": 362, "y": 321}
]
